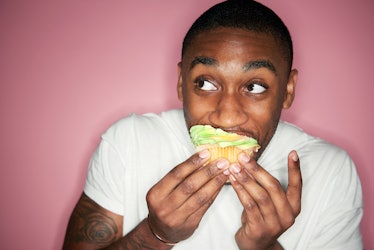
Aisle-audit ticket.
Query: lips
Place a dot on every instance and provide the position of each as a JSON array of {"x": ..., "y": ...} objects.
[{"x": 240, "y": 132}]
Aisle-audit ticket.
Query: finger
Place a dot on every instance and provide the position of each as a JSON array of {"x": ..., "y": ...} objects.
[
  {"x": 195, "y": 217},
  {"x": 294, "y": 182},
  {"x": 198, "y": 188},
  {"x": 287, "y": 204},
  {"x": 264, "y": 178},
  {"x": 244, "y": 186},
  {"x": 170, "y": 181},
  {"x": 184, "y": 219},
  {"x": 268, "y": 193},
  {"x": 156, "y": 196}
]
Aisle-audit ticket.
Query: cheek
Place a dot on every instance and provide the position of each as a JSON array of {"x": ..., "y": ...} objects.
[
  {"x": 265, "y": 116},
  {"x": 267, "y": 110},
  {"x": 197, "y": 111},
  {"x": 270, "y": 125}
]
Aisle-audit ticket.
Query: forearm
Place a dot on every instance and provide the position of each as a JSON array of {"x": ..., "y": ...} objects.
[
  {"x": 141, "y": 237},
  {"x": 93, "y": 227}
]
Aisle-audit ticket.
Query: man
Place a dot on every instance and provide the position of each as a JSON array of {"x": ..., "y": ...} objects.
[{"x": 147, "y": 188}]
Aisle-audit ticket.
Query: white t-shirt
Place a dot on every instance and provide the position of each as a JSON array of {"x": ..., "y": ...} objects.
[{"x": 137, "y": 151}]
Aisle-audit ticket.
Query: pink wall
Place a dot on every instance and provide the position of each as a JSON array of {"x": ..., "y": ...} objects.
[{"x": 71, "y": 68}]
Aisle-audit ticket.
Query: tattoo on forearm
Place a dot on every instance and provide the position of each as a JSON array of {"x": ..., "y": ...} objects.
[
  {"x": 91, "y": 225},
  {"x": 98, "y": 229}
]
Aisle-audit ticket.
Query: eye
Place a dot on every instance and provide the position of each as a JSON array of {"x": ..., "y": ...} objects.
[
  {"x": 256, "y": 88},
  {"x": 205, "y": 85}
]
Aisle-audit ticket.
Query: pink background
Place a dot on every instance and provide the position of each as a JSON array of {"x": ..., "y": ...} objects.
[{"x": 68, "y": 69}]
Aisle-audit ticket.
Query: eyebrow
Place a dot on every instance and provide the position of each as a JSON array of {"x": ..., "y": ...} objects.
[
  {"x": 203, "y": 60},
  {"x": 257, "y": 64},
  {"x": 251, "y": 65}
]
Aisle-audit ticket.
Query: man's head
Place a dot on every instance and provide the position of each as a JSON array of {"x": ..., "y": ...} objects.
[
  {"x": 235, "y": 71},
  {"x": 243, "y": 14}
]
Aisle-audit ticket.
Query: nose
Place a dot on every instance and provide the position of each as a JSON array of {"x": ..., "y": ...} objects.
[{"x": 229, "y": 112}]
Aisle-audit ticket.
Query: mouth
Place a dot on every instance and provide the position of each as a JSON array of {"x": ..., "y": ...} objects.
[
  {"x": 234, "y": 130},
  {"x": 240, "y": 131}
]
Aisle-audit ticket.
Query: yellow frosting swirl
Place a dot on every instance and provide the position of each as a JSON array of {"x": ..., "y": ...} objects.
[{"x": 206, "y": 134}]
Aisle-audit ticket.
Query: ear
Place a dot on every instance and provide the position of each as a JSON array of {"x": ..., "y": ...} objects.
[
  {"x": 290, "y": 89},
  {"x": 180, "y": 82}
]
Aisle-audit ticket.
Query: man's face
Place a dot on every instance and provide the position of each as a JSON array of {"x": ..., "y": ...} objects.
[{"x": 236, "y": 80}]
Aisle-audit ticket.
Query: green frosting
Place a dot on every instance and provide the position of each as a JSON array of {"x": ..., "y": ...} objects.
[{"x": 206, "y": 134}]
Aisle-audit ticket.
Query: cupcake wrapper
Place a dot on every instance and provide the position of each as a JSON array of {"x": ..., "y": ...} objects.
[{"x": 230, "y": 153}]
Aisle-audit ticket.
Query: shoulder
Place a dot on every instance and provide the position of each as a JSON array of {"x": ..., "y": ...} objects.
[
  {"x": 146, "y": 124},
  {"x": 324, "y": 162},
  {"x": 296, "y": 138},
  {"x": 313, "y": 151},
  {"x": 331, "y": 196},
  {"x": 167, "y": 129}
]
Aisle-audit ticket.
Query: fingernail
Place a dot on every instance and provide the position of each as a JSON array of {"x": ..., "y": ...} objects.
[
  {"x": 232, "y": 178},
  {"x": 204, "y": 154},
  {"x": 226, "y": 172},
  {"x": 294, "y": 156},
  {"x": 221, "y": 164},
  {"x": 244, "y": 157},
  {"x": 235, "y": 168}
]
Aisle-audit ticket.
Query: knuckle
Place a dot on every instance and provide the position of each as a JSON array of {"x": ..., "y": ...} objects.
[
  {"x": 297, "y": 210},
  {"x": 195, "y": 160},
  {"x": 163, "y": 214},
  {"x": 210, "y": 171},
  {"x": 151, "y": 196},
  {"x": 263, "y": 199},
  {"x": 288, "y": 221},
  {"x": 249, "y": 205},
  {"x": 220, "y": 180},
  {"x": 275, "y": 187},
  {"x": 170, "y": 222},
  {"x": 202, "y": 199},
  {"x": 245, "y": 179},
  {"x": 188, "y": 187},
  {"x": 177, "y": 173}
]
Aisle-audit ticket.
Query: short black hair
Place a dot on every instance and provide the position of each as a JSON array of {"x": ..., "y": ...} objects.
[{"x": 243, "y": 14}]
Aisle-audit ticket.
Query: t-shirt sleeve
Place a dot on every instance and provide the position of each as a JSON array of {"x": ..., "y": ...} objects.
[
  {"x": 339, "y": 225},
  {"x": 103, "y": 182}
]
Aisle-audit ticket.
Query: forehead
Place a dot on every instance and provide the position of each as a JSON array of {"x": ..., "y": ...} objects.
[{"x": 235, "y": 45}]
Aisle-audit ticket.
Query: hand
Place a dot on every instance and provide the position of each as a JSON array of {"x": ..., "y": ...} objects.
[
  {"x": 268, "y": 210},
  {"x": 178, "y": 202}
]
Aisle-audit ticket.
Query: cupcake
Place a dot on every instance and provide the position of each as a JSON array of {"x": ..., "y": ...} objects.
[{"x": 222, "y": 144}]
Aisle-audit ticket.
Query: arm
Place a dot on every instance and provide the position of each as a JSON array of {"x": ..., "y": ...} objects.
[
  {"x": 268, "y": 210},
  {"x": 92, "y": 226},
  {"x": 176, "y": 206}
]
